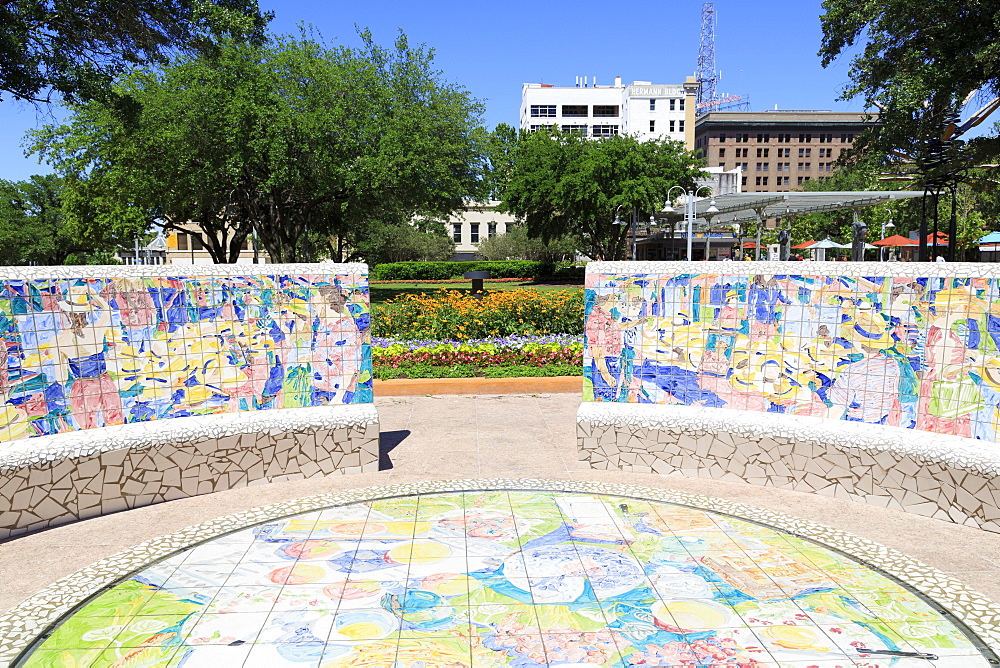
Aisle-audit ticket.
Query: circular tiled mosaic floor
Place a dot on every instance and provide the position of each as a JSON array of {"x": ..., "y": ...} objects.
[{"x": 508, "y": 577}]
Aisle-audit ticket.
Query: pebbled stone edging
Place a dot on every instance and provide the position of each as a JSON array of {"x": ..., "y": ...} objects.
[
  {"x": 946, "y": 477},
  {"x": 53, "y": 480}
]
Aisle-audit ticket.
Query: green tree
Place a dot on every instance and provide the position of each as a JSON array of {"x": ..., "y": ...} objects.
[
  {"x": 404, "y": 241},
  {"x": 515, "y": 244},
  {"x": 567, "y": 184},
  {"x": 76, "y": 49},
  {"x": 919, "y": 63},
  {"x": 291, "y": 139},
  {"x": 33, "y": 227}
]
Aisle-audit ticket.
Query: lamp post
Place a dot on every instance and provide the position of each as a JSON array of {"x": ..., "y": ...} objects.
[
  {"x": 689, "y": 210},
  {"x": 885, "y": 226},
  {"x": 630, "y": 223}
]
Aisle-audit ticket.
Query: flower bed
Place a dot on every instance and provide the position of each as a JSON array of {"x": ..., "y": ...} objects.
[
  {"x": 452, "y": 280},
  {"x": 504, "y": 357},
  {"x": 460, "y": 316}
]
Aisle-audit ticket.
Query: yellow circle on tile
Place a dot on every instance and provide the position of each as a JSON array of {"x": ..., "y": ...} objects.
[
  {"x": 691, "y": 615},
  {"x": 794, "y": 637},
  {"x": 425, "y": 551}
]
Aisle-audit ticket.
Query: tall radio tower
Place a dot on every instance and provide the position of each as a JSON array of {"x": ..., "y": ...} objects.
[
  {"x": 709, "y": 99},
  {"x": 707, "y": 75}
]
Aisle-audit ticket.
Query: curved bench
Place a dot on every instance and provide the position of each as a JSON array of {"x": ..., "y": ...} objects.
[
  {"x": 946, "y": 477},
  {"x": 52, "y": 480}
]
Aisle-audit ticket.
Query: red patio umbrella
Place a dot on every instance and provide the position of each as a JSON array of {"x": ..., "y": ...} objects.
[
  {"x": 895, "y": 240},
  {"x": 750, "y": 244},
  {"x": 942, "y": 239},
  {"x": 803, "y": 245}
]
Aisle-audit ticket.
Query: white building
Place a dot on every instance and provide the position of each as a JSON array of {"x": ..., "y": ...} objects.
[
  {"x": 478, "y": 221},
  {"x": 641, "y": 108}
]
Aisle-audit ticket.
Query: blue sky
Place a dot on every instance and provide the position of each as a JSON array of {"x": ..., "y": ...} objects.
[{"x": 764, "y": 49}]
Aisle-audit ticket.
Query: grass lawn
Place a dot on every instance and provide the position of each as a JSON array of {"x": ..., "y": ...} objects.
[{"x": 382, "y": 292}]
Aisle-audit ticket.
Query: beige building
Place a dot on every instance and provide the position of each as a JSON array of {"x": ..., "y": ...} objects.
[
  {"x": 479, "y": 221},
  {"x": 777, "y": 150},
  {"x": 188, "y": 248}
]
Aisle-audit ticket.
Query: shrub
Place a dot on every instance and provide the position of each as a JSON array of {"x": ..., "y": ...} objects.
[
  {"x": 450, "y": 314},
  {"x": 442, "y": 271}
]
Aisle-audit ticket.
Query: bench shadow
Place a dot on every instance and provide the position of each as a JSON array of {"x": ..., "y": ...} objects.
[{"x": 387, "y": 442}]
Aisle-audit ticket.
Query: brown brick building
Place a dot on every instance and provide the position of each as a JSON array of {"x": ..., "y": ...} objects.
[{"x": 778, "y": 150}]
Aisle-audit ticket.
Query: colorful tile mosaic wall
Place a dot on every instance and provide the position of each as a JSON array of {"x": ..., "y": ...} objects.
[
  {"x": 499, "y": 577},
  {"x": 919, "y": 352},
  {"x": 79, "y": 353}
]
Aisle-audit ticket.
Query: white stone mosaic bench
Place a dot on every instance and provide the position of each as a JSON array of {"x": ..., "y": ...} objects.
[
  {"x": 52, "y": 480},
  {"x": 946, "y": 477}
]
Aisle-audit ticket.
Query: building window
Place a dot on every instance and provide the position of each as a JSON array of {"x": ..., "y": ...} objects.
[
  {"x": 574, "y": 110},
  {"x": 605, "y": 110},
  {"x": 760, "y": 166},
  {"x": 763, "y": 152},
  {"x": 743, "y": 138},
  {"x": 196, "y": 243},
  {"x": 722, "y": 136},
  {"x": 673, "y": 104},
  {"x": 745, "y": 166},
  {"x": 680, "y": 126},
  {"x": 456, "y": 232},
  {"x": 652, "y": 126},
  {"x": 652, "y": 104},
  {"x": 673, "y": 126},
  {"x": 763, "y": 138},
  {"x": 801, "y": 166},
  {"x": 536, "y": 128},
  {"x": 578, "y": 129},
  {"x": 543, "y": 111},
  {"x": 805, "y": 138},
  {"x": 722, "y": 165},
  {"x": 781, "y": 181},
  {"x": 761, "y": 180},
  {"x": 491, "y": 230},
  {"x": 681, "y": 105},
  {"x": 805, "y": 152},
  {"x": 828, "y": 138},
  {"x": 182, "y": 241},
  {"x": 803, "y": 179},
  {"x": 847, "y": 139},
  {"x": 746, "y": 152},
  {"x": 604, "y": 130},
  {"x": 784, "y": 138},
  {"x": 743, "y": 181},
  {"x": 722, "y": 153},
  {"x": 474, "y": 233}
]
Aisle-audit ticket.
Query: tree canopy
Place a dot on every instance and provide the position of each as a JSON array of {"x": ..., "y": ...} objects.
[
  {"x": 567, "y": 184},
  {"x": 75, "y": 49},
  {"x": 281, "y": 139},
  {"x": 33, "y": 229},
  {"x": 919, "y": 62}
]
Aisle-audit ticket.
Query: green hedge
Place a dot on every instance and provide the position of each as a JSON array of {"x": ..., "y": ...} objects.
[{"x": 442, "y": 271}]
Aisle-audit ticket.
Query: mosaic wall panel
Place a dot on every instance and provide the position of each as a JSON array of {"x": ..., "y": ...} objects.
[
  {"x": 913, "y": 346},
  {"x": 136, "y": 344}
]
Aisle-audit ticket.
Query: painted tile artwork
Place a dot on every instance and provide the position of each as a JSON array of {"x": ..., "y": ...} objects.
[
  {"x": 89, "y": 352},
  {"x": 919, "y": 353},
  {"x": 508, "y": 578}
]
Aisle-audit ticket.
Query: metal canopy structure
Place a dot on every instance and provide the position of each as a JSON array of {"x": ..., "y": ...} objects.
[{"x": 744, "y": 207}]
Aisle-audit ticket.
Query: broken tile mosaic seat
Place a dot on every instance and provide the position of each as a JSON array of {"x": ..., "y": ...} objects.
[
  {"x": 125, "y": 386},
  {"x": 872, "y": 382}
]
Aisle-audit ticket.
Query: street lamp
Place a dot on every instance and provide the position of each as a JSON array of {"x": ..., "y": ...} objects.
[
  {"x": 885, "y": 226},
  {"x": 631, "y": 223},
  {"x": 689, "y": 208}
]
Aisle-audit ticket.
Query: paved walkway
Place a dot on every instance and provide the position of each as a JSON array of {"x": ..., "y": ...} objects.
[{"x": 485, "y": 436}]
